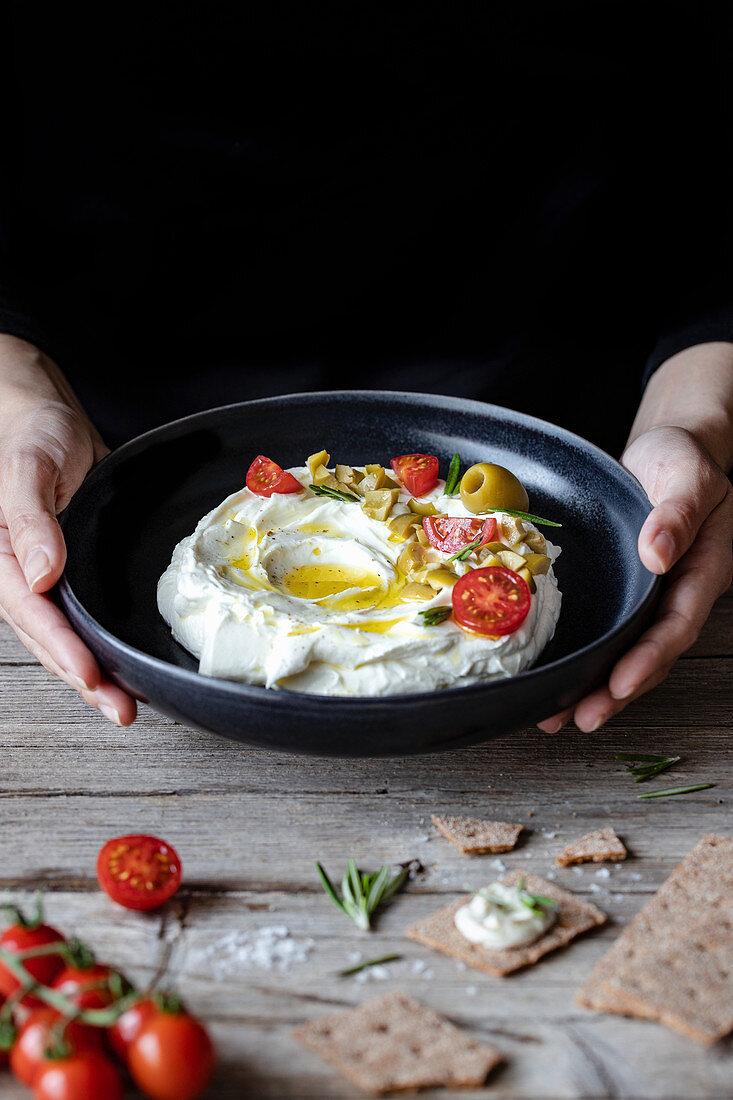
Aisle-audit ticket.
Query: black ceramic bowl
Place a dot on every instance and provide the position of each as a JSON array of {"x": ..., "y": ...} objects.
[{"x": 135, "y": 506}]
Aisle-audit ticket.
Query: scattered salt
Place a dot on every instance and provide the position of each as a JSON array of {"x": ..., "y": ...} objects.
[
  {"x": 460, "y": 966},
  {"x": 634, "y": 876},
  {"x": 603, "y": 872},
  {"x": 549, "y": 834},
  {"x": 499, "y": 865},
  {"x": 269, "y": 948},
  {"x": 577, "y": 870},
  {"x": 418, "y": 966},
  {"x": 596, "y": 889},
  {"x": 551, "y": 875},
  {"x": 428, "y": 975},
  {"x": 471, "y": 990}
]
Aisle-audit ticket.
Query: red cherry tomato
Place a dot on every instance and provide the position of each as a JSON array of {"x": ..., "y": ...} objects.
[
  {"x": 44, "y": 1030},
  {"x": 86, "y": 987},
  {"x": 87, "y": 1075},
  {"x": 451, "y": 535},
  {"x": 418, "y": 473},
  {"x": 139, "y": 872},
  {"x": 494, "y": 600},
  {"x": 172, "y": 1058},
  {"x": 129, "y": 1025},
  {"x": 265, "y": 477},
  {"x": 24, "y": 936}
]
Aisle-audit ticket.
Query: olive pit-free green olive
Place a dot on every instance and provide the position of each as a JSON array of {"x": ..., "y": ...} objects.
[{"x": 488, "y": 486}]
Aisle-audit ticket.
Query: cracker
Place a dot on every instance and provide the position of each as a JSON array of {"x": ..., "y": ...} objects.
[
  {"x": 476, "y": 836},
  {"x": 574, "y": 916},
  {"x": 392, "y": 1043},
  {"x": 673, "y": 963},
  {"x": 594, "y": 847}
]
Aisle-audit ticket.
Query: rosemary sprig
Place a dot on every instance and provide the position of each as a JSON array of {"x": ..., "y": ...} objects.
[
  {"x": 336, "y": 494},
  {"x": 645, "y": 766},
  {"x": 454, "y": 476},
  {"x": 524, "y": 515},
  {"x": 467, "y": 550},
  {"x": 434, "y": 616},
  {"x": 536, "y": 902},
  {"x": 675, "y": 790},
  {"x": 362, "y": 893},
  {"x": 369, "y": 962}
]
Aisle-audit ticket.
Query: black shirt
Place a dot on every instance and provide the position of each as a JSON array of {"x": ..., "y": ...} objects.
[{"x": 210, "y": 203}]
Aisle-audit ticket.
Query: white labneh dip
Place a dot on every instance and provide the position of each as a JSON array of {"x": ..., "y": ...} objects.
[
  {"x": 497, "y": 917},
  {"x": 302, "y": 592}
]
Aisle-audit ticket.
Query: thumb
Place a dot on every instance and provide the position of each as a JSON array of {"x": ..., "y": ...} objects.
[
  {"x": 28, "y": 503},
  {"x": 684, "y": 484}
]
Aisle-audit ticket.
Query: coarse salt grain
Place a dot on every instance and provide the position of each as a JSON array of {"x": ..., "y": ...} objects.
[{"x": 269, "y": 948}]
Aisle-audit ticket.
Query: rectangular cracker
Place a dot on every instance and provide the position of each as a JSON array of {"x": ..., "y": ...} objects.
[
  {"x": 674, "y": 962},
  {"x": 596, "y": 847},
  {"x": 574, "y": 916},
  {"x": 393, "y": 1043},
  {"x": 476, "y": 836}
]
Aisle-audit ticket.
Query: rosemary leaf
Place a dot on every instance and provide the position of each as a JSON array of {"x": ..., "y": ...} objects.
[
  {"x": 361, "y": 894},
  {"x": 675, "y": 790},
  {"x": 453, "y": 479},
  {"x": 525, "y": 515},
  {"x": 336, "y": 494},
  {"x": 434, "y": 616},
  {"x": 462, "y": 554},
  {"x": 642, "y": 758},
  {"x": 369, "y": 962}
]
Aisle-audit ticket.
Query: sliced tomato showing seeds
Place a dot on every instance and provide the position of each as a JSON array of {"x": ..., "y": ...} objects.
[
  {"x": 418, "y": 473},
  {"x": 139, "y": 872},
  {"x": 265, "y": 477},
  {"x": 494, "y": 600},
  {"x": 448, "y": 534}
]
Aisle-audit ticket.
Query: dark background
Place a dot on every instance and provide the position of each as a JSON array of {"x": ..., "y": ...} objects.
[{"x": 210, "y": 203}]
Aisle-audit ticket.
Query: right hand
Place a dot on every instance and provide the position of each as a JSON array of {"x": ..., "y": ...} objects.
[{"x": 47, "y": 445}]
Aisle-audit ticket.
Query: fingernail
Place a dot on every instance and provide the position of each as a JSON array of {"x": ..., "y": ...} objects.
[
  {"x": 37, "y": 566},
  {"x": 663, "y": 546},
  {"x": 554, "y": 728},
  {"x": 77, "y": 682},
  {"x": 596, "y": 725},
  {"x": 628, "y": 688},
  {"x": 111, "y": 713}
]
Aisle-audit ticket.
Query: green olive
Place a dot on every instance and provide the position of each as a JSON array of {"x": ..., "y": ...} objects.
[{"x": 487, "y": 486}]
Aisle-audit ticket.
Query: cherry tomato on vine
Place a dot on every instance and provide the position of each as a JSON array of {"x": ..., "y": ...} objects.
[
  {"x": 87, "y": 1075},
  {"x": 26, "y": 935},
  {"x": 44, "y": 1031},
  {"x": 493, "y": 600},
  {"x": 418, "y": 473},
  {"x": 172, "y": 1058},
  {"x": 129, "y": 1025},
  {"x": 450, "y": 534},
  {"x": 89, "y": 986},
  {"x": 265, "y": 477},
  {"x": 139, "y": 872}
]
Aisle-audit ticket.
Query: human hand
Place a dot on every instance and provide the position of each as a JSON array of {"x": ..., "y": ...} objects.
[
  {"x": 688, "y": 537},
  {"x": 47, "y": 445}
]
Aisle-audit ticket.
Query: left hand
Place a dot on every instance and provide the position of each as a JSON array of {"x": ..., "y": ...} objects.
[{"x": 688, "y": 537}]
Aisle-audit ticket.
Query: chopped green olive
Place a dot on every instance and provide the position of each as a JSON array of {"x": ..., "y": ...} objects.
[
  {"x": 378, "y": 503},
  {"x": 417, "y": 591},
  {"x": 538, "y": 564},
  {"x": 487, "y": 486},
  {"x": 422, "y": 508}
]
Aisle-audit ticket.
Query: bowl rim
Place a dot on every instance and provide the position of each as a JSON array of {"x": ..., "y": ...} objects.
[{"x": 284, "y": 699}]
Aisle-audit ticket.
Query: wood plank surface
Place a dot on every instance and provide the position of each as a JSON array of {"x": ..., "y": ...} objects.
[{"x": 249, "y": 825}]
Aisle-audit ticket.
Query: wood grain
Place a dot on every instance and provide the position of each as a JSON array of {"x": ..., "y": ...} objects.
[{"x": 249, "y": 825}]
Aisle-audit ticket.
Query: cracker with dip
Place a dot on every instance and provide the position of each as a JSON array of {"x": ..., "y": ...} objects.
[{"x": 519, "y": 936}]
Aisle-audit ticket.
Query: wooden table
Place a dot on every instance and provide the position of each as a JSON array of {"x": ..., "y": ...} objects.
[{"x": 249, "y": 825}]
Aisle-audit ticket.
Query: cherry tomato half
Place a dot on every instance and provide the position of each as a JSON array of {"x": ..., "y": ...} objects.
[
  {"x": 265, "y": 477},
  {"x": 494, "y": 600},
  {"x": 418, "y": 473},
  {"x": 172, "y": 1058},
  {"x": 129, "y": 1025},
  {"x": 139, "y": 872},
  {"x": 25, "y": 936},
  {"x": 87, "y": 1075},
  {"x": 86, "y": 987},
  {"x": 44, "y": 1030},
  {"x": 450, "y": 535}
]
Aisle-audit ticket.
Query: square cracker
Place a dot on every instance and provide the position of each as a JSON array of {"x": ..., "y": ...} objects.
[
  {"x": 476, "y": 836},
  {"x": 574, "y": 916},
  {"x": 673, "y": 963},
  {"x": 594, "y": 847},
  {"x": 392, "y": 1043}
]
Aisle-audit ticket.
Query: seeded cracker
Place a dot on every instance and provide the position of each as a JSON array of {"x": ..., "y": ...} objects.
[
  {"x": 393, "y": 1043},
  {"x": 475, "y": 836},
  {"x": 594, "y": 847},
  {"x": 574, "y": 916},
  {"x": 673, "y": 963}
]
